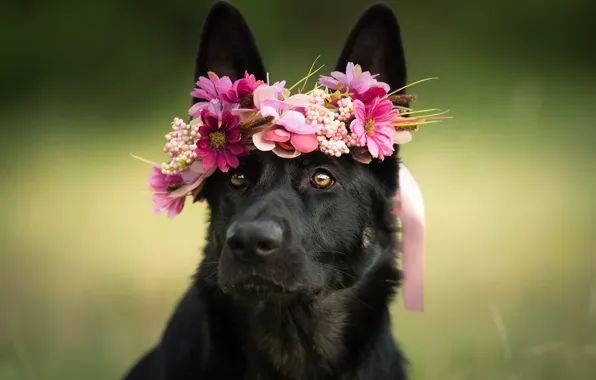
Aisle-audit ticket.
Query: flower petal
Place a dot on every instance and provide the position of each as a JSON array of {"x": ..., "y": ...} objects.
[
  {"x": 277, "y": 135},
  {"x": 222, "y": 162},
  {"x": 209, "y": 161},
  {"x": 286, "y": 153},
  {"x": 373, "y": 148},
  {"x": 260, "y": 143},
  {"x": 263, "y": 93},
  {"x": 269, "y": 111},
  {"x": 298, "y": 100},
  {"x": 292, "y": 121},
  {"x": 176, "y": 208},
  {"x": 238, "y": 149},
  {"x": 359, "y": 109},
  {"x": 304, "y": 143}
]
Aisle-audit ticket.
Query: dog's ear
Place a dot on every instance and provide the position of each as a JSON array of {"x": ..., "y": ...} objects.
[
  {"x": 375, "y": 44},
  {"x": 227, "y": 46}
]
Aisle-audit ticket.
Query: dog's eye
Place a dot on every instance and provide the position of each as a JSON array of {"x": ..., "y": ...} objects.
[
  {"x": 237, "y": 180},
  {"x": 322, "y": 180}
]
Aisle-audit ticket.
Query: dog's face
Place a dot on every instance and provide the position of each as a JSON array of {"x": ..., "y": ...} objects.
[
  {"x": 297, "y": 226},
  {"x": 282, "y": 228}
]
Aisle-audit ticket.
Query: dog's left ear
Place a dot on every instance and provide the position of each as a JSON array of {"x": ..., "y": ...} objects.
[
  {"x": 227, "y": 46},
  {"x": 375, "y": 44}
]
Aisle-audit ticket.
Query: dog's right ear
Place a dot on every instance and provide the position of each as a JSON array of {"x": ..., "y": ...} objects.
[{"x": 227, "y": 46}]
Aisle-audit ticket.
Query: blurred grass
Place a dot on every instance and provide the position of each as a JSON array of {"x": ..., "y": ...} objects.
[{"x": 89, "y": 275}]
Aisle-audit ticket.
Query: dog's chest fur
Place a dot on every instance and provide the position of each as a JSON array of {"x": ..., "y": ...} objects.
[
  {"x": 342, "y": 336},
  {"x": 300, "y": 337}
]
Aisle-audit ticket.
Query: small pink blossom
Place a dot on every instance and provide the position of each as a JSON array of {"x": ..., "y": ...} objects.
[
  {"x": 241, "y": 88},
  {"x": 220, "y": 141},
  {"x": 353, "y": 80},
  {"x": 163, "y": 185},
  {"x": 373, "y": 126}
]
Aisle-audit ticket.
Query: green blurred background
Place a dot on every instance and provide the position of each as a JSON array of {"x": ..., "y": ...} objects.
[{"x": 89, "y": 275}]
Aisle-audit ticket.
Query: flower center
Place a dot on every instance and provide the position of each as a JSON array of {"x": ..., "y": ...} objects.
[
  {"x": 247, "y": 101},
  {"x": 217, "y": 139},
  {"x": 369, "y": 126}
]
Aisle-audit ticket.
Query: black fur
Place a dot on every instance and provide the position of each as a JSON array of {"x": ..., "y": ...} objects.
[{"x": 316, "y": 305}]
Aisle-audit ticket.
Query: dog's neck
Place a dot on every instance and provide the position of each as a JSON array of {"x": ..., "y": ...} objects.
[{"x": 300, "y": 339}]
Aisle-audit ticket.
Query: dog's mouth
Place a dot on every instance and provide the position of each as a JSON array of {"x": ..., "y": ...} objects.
[{"x": 258, "y": 287}]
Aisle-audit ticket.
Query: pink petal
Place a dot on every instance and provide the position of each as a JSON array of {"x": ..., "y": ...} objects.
[
  {"x": 195, "y": 109},
  {"x": 238, "y": 149},
  {"x": 191, "y": 186},
  {"x": 222, "y": 162},
  {"x": 260, "y": 143},
  {"x": 209, "y": 161},
  {"x": 373, "y": 148},
  {"x": 298, "y": 100},
  {"x": 243, "y": 113},
  {"x": 277, "y": 135},
  {"x": 351, "y": 72},
  {"x": 176, "y": 208},
  {"x": 190, "y": 176},
  {"x": 304, "y": 143},
  {"x": 233, "y": 136},
  {"x": 263, "y": 93},
  {"x": 357, "y": 126},
  {"x": 293, "y": 121},
  {"x": 286, "y": 153},
  {"x": 359, "y": 110},
  {"x": 328, "y": 82},
  {"x": 231, "y": 159},
  {"x": 269, "y": 111}
]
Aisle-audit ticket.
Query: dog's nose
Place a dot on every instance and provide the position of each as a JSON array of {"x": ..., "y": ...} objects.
[{"x": 254, "y": 239}]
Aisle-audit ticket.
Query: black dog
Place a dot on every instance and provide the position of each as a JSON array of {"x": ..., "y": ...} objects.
[{"x": 300, "y": 264}]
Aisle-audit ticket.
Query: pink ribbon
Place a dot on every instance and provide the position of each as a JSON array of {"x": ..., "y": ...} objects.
[{"x": 409, "y": 207}]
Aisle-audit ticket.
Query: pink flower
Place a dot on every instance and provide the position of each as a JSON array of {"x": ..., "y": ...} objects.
[
  {"x": 164, "y": 185},
  {"x": 354, "y": 80},
  {"x": 220, "y": 141},
  {"x": 373, "y": 126},
  {"x": 211, "y": 90},
  {"x": 290, "y": 136},
  {"x": 240, "y": 89}
]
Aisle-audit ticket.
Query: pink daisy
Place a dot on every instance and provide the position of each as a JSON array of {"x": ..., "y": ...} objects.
[
  {"x": 373, "y": 126},
  {"x": 209, "y": 89},
  {"x": 353, "y": 80},
  {"x": 220, "y": 141}
]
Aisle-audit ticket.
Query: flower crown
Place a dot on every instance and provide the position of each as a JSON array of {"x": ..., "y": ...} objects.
[{"x": 346, "y": 113}]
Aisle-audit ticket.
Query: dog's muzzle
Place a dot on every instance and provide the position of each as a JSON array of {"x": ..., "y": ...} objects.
[{"x": 254, "y": 240}]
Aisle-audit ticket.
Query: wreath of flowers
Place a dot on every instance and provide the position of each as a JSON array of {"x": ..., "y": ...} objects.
[{"x": 345, "y": 113}]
